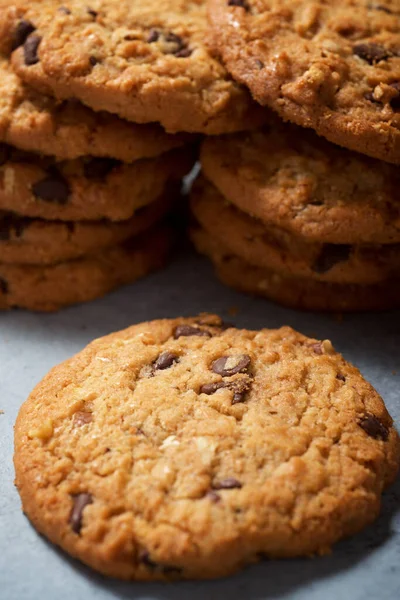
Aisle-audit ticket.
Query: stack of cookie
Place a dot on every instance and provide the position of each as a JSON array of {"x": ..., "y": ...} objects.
[
  {"x": 286, "y": 214},
  {"x": 84, "y": 197}
]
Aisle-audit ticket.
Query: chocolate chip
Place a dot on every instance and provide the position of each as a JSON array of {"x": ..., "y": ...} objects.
[
  {"x": 93, "y": 61},
  {"x": 211, "y": 388},
  {"x": 23, "y": 29},
  {"x": 30, "y": 50},
  {"x": 188, "y": 330},
  {"x": 371, "y": 98},
  {"x": 165, "y": 361},
  {"x": 371, "y": 53},
  {"x": 213, "y": 496},
  {"x": 330, "y": 255},
  {"x": 3, "y": 286},
  {"x": 374, "y": 427},
  {"x": 80, "y": 503},
  {"x": 260, "y": 65},
  {"x": 92, "y": 12},
  {"x": 5, "y": 154},
  {"x": 153, "y": 36},
  {"x": 11, "y": 222},
  {"x": 340, "y": 377},
  {"x": 144, "y": 557},
  {"x": 241, "y": 3},
  {"x": 53, "y": 188},
  {"x": 99, "y": 168},
  {"x": 184, "y": 53},
  {"x": 381, "y": 8},
  {"x": 238, "y": 397},
  {"x": 230, "y": 365},
  {"x": 227, "y": 484},
  {"x": 64, "y": 10},
  {"x": 317, "y": 348},
  {"x": 82, "y": 418},
  {"x": 395, "y": 102}
]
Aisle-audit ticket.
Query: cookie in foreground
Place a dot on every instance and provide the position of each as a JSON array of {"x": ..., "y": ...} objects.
[{"x": 187, "y": 449}]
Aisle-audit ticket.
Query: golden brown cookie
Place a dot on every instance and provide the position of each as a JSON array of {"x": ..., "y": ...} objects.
[
  {"x": 183, "y": 449},
  {"x": 28, "y": 241},
  {"x": 275, "y": 248},
  {"x": 50, "y": 288},
  {"x": 87, "y": 188},
  {"x": 68, "y": 130},
  {"x": 331, "y": 66},
  {"x": 295, "y": 292},
  {"x": 145, "y": 62},
  {"x": 289, "y": 177}
]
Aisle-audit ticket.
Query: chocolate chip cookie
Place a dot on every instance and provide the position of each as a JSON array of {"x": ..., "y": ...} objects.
[
  {"x": 331, "y": 66},
  {"x": 274, "y": 248},
  {"x": 28, "y": 241},
  {"x": 145, "y": 62},
  {"x": 291, "y": 291},
  {"x": 68, "y": 130},
  {"x": 85, "y": 189},
  {"x": 49, "y": 288},
  {"x": 185, "y": 449},
  {"x": 290, "y": 178}
]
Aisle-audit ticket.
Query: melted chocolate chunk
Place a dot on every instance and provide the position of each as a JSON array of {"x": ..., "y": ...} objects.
[
  {"x": 330, "y": 255},
  {"x": 317, "y": 348},
  {"x": 91, "y": 12},
  {"x": 80, "y": 503},
  {"x": 188, "y": 330},
  {"x": 3, "y": 286},
  {"x": 374, "y": 427},
  {"x": 371, "y": 53},
  {"x": 340, "y": 377},
  {"x": 53, "y": 188},
  {"x": 211, "y": 388},
  {"x": 153, "y": 36},
  {"x": 241, "y": 3},
  {"x": 165, "y": 361},
  {"x": 30, "y": 50},
  {"x": 229, "y": 483},
  {"x": 230, "y": 365},
  {"x": 100, "y": 168},
  {"x": 395, "y": 102},
  {"x": 93, "y": 61},
  {"x": 5, "y": 153},
  {"x": 238, "y": 397},
  {"x": 184, "y": 53},
  {"x": 22, "y": 31},
  {"x": 213, "y": 496}
]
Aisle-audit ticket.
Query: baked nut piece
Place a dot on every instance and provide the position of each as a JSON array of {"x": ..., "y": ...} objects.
[
  {"x": 331, "y": 66},
  {"x": 289, "y": 177},
  {"x": 52, "y": 287},
  {"x": 274, "y": 248},
  {"x": 68, "y": 130},
  {"x": 184, "y": 449},
  {"x": 85, "y": 189},
  {"x": 145, "y": 62},
  {"x": 293, "y": 291}
]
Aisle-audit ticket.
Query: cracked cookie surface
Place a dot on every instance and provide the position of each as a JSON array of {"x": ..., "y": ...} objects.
[
  {"x": 146, "y": 62},
  {"x": 331, "y": 66},
  {"x": 185, "y": 448}
]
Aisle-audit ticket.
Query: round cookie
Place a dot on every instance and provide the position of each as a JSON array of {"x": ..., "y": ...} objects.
[
  {"x": 295, "y": 292},
  {"x": 289, "y": 177},
  {"x": 331, "y": 66},
  {"x": 50, "y": 288},
  {"x": 183, "y": 449},
  {"x": 145, "y": 62},
  {"x": 68, "y": 130},
  {"x": 276, "y": 249},
  {"x": 38, "y": 242},
  {"x": 87, "y": 188}
]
